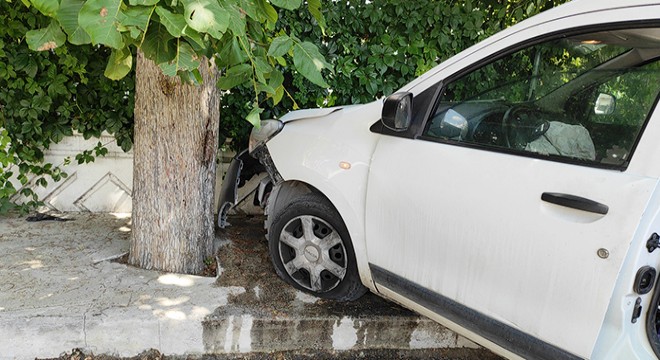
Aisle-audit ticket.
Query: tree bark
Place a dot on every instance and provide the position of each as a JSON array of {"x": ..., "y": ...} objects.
[{"x": 175, "y": 145}]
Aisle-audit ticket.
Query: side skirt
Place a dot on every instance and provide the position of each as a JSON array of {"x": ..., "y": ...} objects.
[{"x": 499, "y": 333}]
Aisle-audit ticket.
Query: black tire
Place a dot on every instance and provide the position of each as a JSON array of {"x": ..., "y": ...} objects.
[{"x": 319, "y": 261}]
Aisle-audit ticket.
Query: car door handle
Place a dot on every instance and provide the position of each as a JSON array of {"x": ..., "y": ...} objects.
[{"x": 575, "y": 202}]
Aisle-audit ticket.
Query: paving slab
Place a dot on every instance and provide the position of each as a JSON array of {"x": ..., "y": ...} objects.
[{"x": 60, "y": 290}]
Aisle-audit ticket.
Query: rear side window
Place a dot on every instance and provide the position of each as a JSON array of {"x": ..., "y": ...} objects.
[{"x": 583, "y": 99}]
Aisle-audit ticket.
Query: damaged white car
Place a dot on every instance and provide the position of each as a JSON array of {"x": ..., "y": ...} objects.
[{"x": 510, "y": 193}]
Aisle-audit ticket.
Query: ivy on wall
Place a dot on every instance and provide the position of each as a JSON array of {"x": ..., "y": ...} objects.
[{"x": 45, "y": 96}]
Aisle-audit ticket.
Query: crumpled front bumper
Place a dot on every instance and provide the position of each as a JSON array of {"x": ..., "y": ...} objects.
[
  {"x": 241, "y": 169},
  {"x": 229, "y": 189}
]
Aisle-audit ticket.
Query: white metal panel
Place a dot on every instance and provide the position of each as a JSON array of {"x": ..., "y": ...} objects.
[
  {"x": 556, "y": 294},
  {"x": 311, "y": 150},
  {"x": 470, "y": 225},
  {"x": 620, "y": 338},
  {"x": 308, "y": 113}
]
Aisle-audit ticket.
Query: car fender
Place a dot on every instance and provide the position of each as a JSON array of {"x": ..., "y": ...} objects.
[{"x": 332, "y": 153}]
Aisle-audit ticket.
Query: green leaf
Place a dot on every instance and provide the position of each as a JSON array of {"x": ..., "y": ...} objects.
[
  {"x": 42, "y": 102},
  {"x": 100, "y": 18},
  {"x": 67, "y": 15},
  {"x": 236, "y": 18},
  {"x": 136, "y": 17},
  {"x": 314, "y": 7},
  {"x": 250, "y": 8},
  {"x": 174, "y": 23},
  {"x": 46, "y": 39},
  {"x": 267, "y": 11},
  {"x": 119, "y": 64},
  {"x": 253, "y": 116},
  {"x": 262, "y": 67},
  {"x": 287, "y": 4},
  {"x": 194, "y": 38},
  {"x": 143, "y": 2},
  {"x": 279, "y": 94},
  {"x": 231, "y": 53},
  {"x": 530, "y": 9},
  {"x": 31, "y": 69},
  {"x": 46, "y": 7},
  {"x": 309, "y": 62},
  {"x": 235, "y": 76},
  {"x": 206, "y": 16},
  {"x": 185, "y": 60},
  {"x": 280, "y": 46},
  {"x": 276, "y": 79},
  {"x": 265, "y": 89},
  {"x": 158, "y": 45}
]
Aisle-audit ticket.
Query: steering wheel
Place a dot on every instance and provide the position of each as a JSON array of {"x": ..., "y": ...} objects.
[
  {"x": 510, "y": 114},
  {"x": 520, "y": 125}
]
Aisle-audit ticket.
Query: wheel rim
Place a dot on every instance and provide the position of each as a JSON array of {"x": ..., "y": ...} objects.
[{"x": 313, "y": 253}]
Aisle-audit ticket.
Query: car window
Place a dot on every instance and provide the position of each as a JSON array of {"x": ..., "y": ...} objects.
[{"x": 584, "y": 99}]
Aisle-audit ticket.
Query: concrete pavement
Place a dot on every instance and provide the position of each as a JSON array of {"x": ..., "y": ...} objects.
[{"x": 60, "y": 290}]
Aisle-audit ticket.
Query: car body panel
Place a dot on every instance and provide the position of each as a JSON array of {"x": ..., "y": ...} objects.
[
  {"x": 311, "y": 113},
  {"x": 621, "y": 338},
  {"x": 641, "y": 178},
  {"x": 542, "y": 277},
  {"x": 525, "y": 262},
  {"x": 311, "y": 151}
]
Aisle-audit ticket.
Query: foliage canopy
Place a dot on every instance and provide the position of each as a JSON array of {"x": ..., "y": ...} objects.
[{"x": 271, "y": 63}]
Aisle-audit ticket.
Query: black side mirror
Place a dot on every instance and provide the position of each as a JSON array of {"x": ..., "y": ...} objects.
[{"x": 397, "y": 111}]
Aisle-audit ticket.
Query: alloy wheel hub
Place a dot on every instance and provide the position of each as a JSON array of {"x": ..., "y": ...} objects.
[{"x": 312, "y": 253}]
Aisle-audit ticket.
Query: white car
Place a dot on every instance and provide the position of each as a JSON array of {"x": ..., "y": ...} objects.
[{"x": 510, "y": 193}]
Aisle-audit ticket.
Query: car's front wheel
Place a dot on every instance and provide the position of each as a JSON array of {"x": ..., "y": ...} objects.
[{"x": 311, "y": 249}]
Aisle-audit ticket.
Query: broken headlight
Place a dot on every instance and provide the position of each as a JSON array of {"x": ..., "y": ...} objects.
[{"x": 263, "y": 133}]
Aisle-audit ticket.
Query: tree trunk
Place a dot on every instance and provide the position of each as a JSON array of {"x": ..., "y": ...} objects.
[{"x": 175, "y": 145}]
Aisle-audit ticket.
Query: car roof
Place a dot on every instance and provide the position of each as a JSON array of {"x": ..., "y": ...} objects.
[{"x": 584, "y": 6}]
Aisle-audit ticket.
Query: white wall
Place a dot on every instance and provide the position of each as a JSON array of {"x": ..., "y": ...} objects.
[{"x": 104, "y": 185}]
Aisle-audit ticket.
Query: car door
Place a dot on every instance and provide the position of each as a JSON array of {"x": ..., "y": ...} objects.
[{"x": 508, "y": 214}]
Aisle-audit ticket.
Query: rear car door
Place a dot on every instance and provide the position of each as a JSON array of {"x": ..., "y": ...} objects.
[{"x": 512, "y": 210}]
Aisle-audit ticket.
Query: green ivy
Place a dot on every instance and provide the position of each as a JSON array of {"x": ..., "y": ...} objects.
[
  {"x": 376, "y": 47},
  {"x": 45, "y": 96}
]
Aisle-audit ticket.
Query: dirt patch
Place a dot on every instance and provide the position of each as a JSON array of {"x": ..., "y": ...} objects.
[{"x": 245, "y": 261}]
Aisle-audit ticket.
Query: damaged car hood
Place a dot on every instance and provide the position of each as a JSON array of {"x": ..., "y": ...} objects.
[{"x": 311, "y": 113}]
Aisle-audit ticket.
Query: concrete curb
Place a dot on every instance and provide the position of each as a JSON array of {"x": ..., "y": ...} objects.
[{"x": 245, "y": 333}]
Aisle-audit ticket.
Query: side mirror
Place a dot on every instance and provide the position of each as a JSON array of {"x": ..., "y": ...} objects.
[
  {"x": 454, "y": 125},
  {"x": 605, "y": 104},
  {"x": 397, "y": 111}
]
